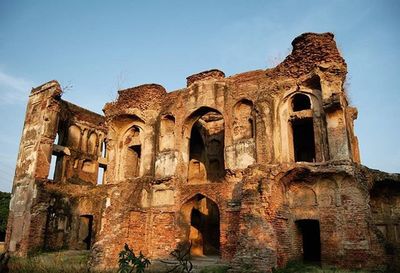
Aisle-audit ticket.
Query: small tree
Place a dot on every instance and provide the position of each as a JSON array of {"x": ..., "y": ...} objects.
[
  {"x": 182, "y": 256},
  {"x": 129, "y": 262},
  {"x": 4, "y": 204}
]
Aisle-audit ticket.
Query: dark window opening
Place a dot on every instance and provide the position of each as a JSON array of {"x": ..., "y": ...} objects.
[
  {"x": 133, "y": 161},
  {"x": 197, "y": 147},
  {"x": 303, "y": 140},
  {"x": 251, "y": 126},
  {"x": 215, "y": 169},
  {"x": 311, "y": 241},
  {"x": 206, "y": 149},
  {"x": 136, "y": 131},
  {"x": 86, "y": 231},
  {"x": 197, "y": 157},
  {"x": 314, "y": 83},
  {"x": 300, "y": 102},
  {"x": 204, "y": 221}
]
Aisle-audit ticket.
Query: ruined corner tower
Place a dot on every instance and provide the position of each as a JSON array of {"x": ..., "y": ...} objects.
[{"x": 257, "y": 169}]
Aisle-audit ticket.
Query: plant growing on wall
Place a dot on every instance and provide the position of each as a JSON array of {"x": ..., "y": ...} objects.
[
  {"x": 129, "y": 262},
  {"x": 182, "y": 256}
]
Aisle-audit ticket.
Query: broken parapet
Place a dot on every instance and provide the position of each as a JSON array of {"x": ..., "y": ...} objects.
[
  {"x": 310, "y": 51},
  {"x": 239, "y": 165},
  {"x": 142, "y": 97},
  {"x": 205, "y": 75}
]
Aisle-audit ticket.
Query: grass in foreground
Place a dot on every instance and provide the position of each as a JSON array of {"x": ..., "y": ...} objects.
[
  {"x": 60, "y": 262},
  {"x": 298, "y": 267},
  {"x": 76, "y": 262}
]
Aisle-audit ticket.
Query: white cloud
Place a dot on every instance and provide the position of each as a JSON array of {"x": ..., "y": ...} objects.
[{"x": 13, "y": 89}]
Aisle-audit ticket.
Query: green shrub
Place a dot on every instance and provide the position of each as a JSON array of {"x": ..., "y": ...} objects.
[
  {"x": 182, "y": 256},
  {"x": 129, "y": 262},
  {"x": 4, "y": 205}
]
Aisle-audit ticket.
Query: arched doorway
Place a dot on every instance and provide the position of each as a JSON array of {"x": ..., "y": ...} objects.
[
  {"x": 206, "y": 146},
  {"x": 303, "y": 130},
  {"x": 202, "y": 225}
]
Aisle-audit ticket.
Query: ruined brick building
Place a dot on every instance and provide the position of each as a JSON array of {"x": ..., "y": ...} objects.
[{"x": 257, "y": 168}]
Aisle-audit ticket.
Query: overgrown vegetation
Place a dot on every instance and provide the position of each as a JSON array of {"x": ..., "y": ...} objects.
[
  {"x": 4, "y": 207},
  {"x": 182, "y": 256},
  {"x": 297, "y": 267},
  {"x": 76, "y": 262},
  {"x": 215, "y": 269},
  {"x": 57, "y": 262},
  {"x": 129, "y": 262}
]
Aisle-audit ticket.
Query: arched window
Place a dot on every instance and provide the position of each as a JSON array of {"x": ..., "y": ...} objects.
[
  {"x": 206, "y": 147},
  {"x": 74, "y": 137},
  {"x": 243, "y": 120},
  {"x": 92, "y": 144},
  {"x": 302, "y": 130},
  {"x": 201, "y": 221},
  {"x": 300, "y": 102},
  {"x": 167, "y": 133},
  {"x": 133, "y": 152}
]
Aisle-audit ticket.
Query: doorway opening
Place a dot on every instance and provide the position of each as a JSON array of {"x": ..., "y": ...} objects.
[
  {"x": 85, "y": 231},
  {"x": 203, "y": 223},
  {"x": 206, "y": 148},
  {"x": 303, "y": 140},
  {"x": 310, "y": 240},
  {"x": 133, "y": 157}
]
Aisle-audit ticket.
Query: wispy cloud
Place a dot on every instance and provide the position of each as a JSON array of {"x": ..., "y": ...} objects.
[{"x": 13, "y": 89}]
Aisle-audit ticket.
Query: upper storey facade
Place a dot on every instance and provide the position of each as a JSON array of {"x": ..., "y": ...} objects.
[
  {"x": 295, "y": 112},
  {"x": 157, "y": 154}
]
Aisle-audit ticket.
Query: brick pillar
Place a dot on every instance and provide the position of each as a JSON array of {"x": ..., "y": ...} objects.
[{"x": 27, "y": 216}]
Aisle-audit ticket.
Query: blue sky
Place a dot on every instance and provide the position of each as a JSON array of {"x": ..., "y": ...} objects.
[{"x": 98, "y": 47}]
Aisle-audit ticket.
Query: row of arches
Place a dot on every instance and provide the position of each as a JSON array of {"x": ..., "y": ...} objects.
[
  {"x": 87, "y": 144},
  {"x": 203, "y": 139},
  {"x": 87, "y": 141},
  {"x": 200, "y": 221},
  {"x": 203, "y": 135},
  {"x": 243, "y": 123}
]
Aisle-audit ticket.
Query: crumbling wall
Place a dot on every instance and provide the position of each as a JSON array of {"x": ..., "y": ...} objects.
[
  {"x": 385, "y": 209},
  {"x": 25, "y": 232},
  {"x": 81, "y": 137},
  {"x": 258, "y": 168},
  {"x": 44, "y": 215}
]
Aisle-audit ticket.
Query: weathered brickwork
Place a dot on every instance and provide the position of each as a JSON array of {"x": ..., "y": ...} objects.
[{"x": 257, "y": 168}]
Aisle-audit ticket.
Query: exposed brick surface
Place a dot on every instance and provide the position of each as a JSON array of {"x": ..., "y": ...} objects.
[{"x": 215, "y": 163}]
